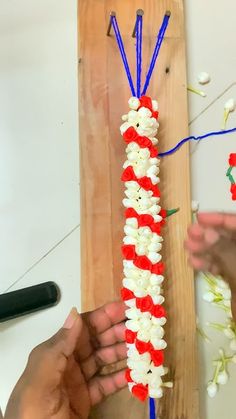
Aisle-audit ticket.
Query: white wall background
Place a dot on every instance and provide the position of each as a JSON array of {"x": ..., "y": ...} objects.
[{"x": 39, "y": 173}]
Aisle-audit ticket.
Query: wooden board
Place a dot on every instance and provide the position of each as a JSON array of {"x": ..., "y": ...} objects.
[{"x": 103, "y": 99}]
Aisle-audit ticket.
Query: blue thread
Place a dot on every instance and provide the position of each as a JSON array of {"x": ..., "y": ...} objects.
[
  {"x": 123, "y": 54},
  {"x": 139, "y": 38},
  {"x": 160, "y": 38},
  {"x": 152, "y": 410},
  {"x": 199, "y": 138}
]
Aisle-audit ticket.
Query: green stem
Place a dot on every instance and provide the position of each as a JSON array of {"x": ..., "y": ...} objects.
[
  {"x": 229, "y": 171},
  {"x": 217, "y": 370},
  {"x": 172, "y": 211}
]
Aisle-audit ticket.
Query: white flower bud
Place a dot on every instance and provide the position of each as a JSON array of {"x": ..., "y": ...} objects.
[
  {"x": 132, "y": 325},
  {"x": 144, "y": 153},
  {"x": 157, "y": 332},
  {"x": 124, "y": 118},
  {"x": 230, "y": 105},
  {"x": 157, "y": 299},
  {"x": 203, "y": 77},
  {"x": 132, "y": 313},
  {"x": 195, "y": 206},
  {"x": 156, "y": 279},
  {"x": 139, "y": 293},
  {"x": 144, "y": 112},
  {"x": 154, "y": 257},
  {"x": 139, "y": 171},
  {"x": 145, "y": 324},
  {"x": 130, "y": 231},
  {"x": 156, "y": 393},
  {"x": 209, "y": 297},
  {"x": 143, "y": 335},
  {"x": 131, "y": 303},
  {"x": 129, "y": 240},
  {"x": 222, "y": 378},
  {"x": 158, "y": 343},
  {"x": 124, "y": 127},
  {"x": 132, "y": 156},
  {"x": 154, "y": 105},
  {"x": 212, "y": 389},
  {"x": 134, "y": 103},
  {"x": 155, "y": 247}
]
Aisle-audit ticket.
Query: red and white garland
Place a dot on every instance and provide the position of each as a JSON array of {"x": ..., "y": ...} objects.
[{"x": 143, "y": 266}]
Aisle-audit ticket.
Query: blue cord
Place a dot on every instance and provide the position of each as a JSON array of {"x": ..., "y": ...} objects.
[
  {"x": 139, "y": 37},
  {"x": 199, "y": 138},
  {"x": 152, "y": 410},
  {"x": 123, "y": 54},
  {"x": 160, "y": 38}
]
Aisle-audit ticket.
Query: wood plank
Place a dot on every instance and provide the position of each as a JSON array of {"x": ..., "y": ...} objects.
[{"x": 103, "y": 99}]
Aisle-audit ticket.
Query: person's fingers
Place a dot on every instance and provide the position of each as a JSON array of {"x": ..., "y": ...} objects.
[
  {"x": 199, "y": 263},
  {"x": 196, "y": 232},
  {"x": 102, "y": 357},
  {"x": 113, "y": 335},
  {"x": 103, "y": 386},
  {"x": 218, "y": 220},
  {"x": 105, "y": 317},
  {"x": 195, "y": 247},
  {"x": 50, "y": 357}
]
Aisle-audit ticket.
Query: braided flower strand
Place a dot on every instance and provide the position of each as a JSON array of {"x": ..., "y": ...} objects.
[{"x": 143, "y": 266}]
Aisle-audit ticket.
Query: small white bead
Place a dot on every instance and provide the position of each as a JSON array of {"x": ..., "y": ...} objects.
[
  {"x": 222, "y": 378},
  {"x": 134, "y": 103},
  {"x": 230, "y": 105},
  {"x": 212, "y": 389},
  {"x": 203, "y": 77}
]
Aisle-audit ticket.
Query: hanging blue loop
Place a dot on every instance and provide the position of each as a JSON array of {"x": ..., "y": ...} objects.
[
  {"x": 139, "y": 38},
  {"x": 152, "y": 409},
  {"x": 160, "y": 39},
  {"x": 122, "y": 52},
  {"x": 198, "y": 138}
]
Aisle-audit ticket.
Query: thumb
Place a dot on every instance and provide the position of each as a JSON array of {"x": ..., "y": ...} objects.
[{"x": 51, "y": 357}]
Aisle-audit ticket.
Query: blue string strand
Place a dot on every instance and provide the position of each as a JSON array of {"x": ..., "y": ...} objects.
[
  {"x": 152, "y": 410},
  {"x": 160, "y": 39},
  {"x": 122, "y": 52},
  {"x": 199, "y": 138},
  {"x": 139, "y": 38}
]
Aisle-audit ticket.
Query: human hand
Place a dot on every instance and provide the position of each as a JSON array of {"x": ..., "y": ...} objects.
[
  {"x": 211, "y": 245},
  {"x": 62, "y": 379}
]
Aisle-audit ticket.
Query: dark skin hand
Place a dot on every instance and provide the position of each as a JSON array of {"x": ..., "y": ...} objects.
[
  {"x": 61, "y": 379},
  {"x": 211, "y": 244}
]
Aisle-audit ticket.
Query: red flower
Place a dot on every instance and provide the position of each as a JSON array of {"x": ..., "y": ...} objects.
[
  {"x": 232, "y": 159},
  {"x": 140, "y": 391},
  {"x": 144, "y": 142},
  {"x": 153, "y": 152},
  {"x": 157, "y": 358},
  {"x": 146, "y": 183},
  {"x": 128, "y": 174},
  {"x": 142, "y": 262},
  {"x": 145, "y": 102},
  {"x": 130, "y": 135},
  {"x": 155, "y": 191},
  {"x": 158, "y": 311},
  {"x": 155, "y": 114},
  {"x": 156, "y": 228},
  {"x": 128, "y": 251},
  {"x": 233, "y": 188},
  {"x": 127, "y": 376},
  {"x": 142, "y": 347},
  {"x": 131, "y": 213},
  {"x": 130, "y": 336},
  {"x": 144, "y": 303},
  {"x": 126, "y": 294},
  {"x": 163, "y": 213},
  {"x": 158, "y": 268},
  {"x": 145, "y": 220}
]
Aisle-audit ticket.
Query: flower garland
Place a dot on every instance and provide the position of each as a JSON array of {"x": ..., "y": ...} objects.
[
  {"x": 232, "y": 164},
  {"x": 143, "y": 266}
]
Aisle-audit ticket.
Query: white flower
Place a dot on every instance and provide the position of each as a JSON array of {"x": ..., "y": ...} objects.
[
  {"x": 154, "y": 257},
  {"x": 157, "y": 332},
  {"x": 144, "y": 113},
  {"x": 222, "y": 378},
  {"x": 143, "y": 335},
  {"x": 132, "y": 325},
  {"x": 124, "y": 127},
  {"x": 130, "y": 231},
  {"x": 133, "y": 313},
  {"x": 134, "y": 103},
  {"x": 132, "y": 147},
  {"x": 158, "y": 343},
  {"x": 131, "y": 303},
  {"x": 139, "y": 377},
  {"x": 156, "y": 279},
  {"x": 132, "y": 222},
  {"x": 212, "y": 389}
]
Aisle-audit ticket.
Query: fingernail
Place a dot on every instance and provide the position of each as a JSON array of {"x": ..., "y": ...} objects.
[
  {"x": 69, "y": 323},
  {"x": 211, "y": 236}
]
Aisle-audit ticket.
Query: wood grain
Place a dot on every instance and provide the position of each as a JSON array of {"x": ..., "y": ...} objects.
[{"x": 103, "y": 99}]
